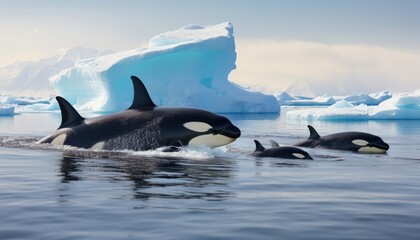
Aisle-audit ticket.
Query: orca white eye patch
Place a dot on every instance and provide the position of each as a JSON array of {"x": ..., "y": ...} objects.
[
  {"x": 197, "y": 126},
  {"x": 360, "y": 142}
]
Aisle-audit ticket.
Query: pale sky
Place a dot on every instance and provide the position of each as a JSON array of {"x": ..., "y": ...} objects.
[{"x": 375, "y": 43}]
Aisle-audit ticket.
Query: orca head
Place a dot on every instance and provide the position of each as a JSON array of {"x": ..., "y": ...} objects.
[
  {"x": 186, "y": 126},
  {"x": 208, "y": 129},
  {"x": 368, "y": 143},
  {"x": 298, "y": 153}
]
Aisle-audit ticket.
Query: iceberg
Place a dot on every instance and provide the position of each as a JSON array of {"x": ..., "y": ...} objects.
[
  {"x": 7, "y": 110},
  {"x": 284, "y": 99},
  {"x": 185, "y": 67},
  {"x": 341, "y": 110},
  {"x": 295, "y": 92},
  {"x": 402, "y": 106},
  {"x": 23, "y": 101},
  {"x": 368, "y": 99},
  {"x": 12, "y": 104},
  {"x": 381, "y": 96}
]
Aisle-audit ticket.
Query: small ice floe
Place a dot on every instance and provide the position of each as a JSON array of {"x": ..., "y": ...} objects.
[
  {"x": 7, "y": 110},
  {"x": 402, "y": 106}
]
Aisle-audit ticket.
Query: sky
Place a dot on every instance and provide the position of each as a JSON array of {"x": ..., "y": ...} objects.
[{"x": 361, "y": 44}]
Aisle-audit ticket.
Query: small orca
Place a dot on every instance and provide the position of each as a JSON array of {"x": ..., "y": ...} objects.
[
  {"x": 349, "y": 141},
  {"x": 143, "y": 126},
  {"x": 277, "y": 151}
]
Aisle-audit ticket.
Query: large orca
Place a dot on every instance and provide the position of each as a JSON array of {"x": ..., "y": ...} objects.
[
  {"x": 277, "y": 151},
  {"x": 143, "y": 126},
  {"x": 349, "y": 141}
]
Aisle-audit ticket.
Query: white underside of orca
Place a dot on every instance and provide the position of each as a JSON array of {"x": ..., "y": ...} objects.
[
  {"x": 371, "y": 150},
  {"x": 59, "y": 140},
  {"x": 210, "y": 140},
  {"x": 98, "y": 146}
]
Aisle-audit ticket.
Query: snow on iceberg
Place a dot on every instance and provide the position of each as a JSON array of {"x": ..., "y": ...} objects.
[
  {"x": 185, "y": 67},
  {"x": 403, "y": 106}
]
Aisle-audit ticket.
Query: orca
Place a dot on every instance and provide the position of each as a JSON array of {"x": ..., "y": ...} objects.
[
  {"x": 277, "y": 151},
  {"x": 349, "y": 141},
  {"x": 143, "y": 126}
]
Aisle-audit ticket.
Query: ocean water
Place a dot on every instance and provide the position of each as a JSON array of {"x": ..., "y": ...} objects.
[{"x": 211, "y": 194}]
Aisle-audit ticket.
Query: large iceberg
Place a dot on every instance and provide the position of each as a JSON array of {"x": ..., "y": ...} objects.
[
  {"x": 186, "y": 67},
  {"x": 403, "y": 106}
]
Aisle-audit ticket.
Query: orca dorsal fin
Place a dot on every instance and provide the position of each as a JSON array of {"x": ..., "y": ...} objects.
[
  {"x": 313, "y": 134},
  {"x": 141, "y": 98},
  {"x": 258, "y": 147},
  {"x": 69, "y": 115},
  {"x": 274, "y": 144}
]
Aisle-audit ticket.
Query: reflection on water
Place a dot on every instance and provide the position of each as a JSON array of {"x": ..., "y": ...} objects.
[
  {"x": 285, "y": 164},
  {"x": 68, "y": 169},
  {"x": 156, "y": 178},
  {"x": 29, "y": 124},
  {"x": 281, "y": 163},
  {"x": 49, "y": 193}
]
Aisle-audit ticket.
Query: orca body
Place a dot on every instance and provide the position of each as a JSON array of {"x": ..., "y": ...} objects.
[
  {"x": 276, "y": 151},
  {"x": 143, "y": 126},
  {"x": 348, "y": 141}
]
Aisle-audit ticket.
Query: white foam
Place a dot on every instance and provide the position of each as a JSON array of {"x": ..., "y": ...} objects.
[
  {"x": 196, "y": 153},
  {"x": 188, "y": 153}
]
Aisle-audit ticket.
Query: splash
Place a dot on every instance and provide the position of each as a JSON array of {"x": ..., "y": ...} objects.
[{"x": 196, "y": 153}]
